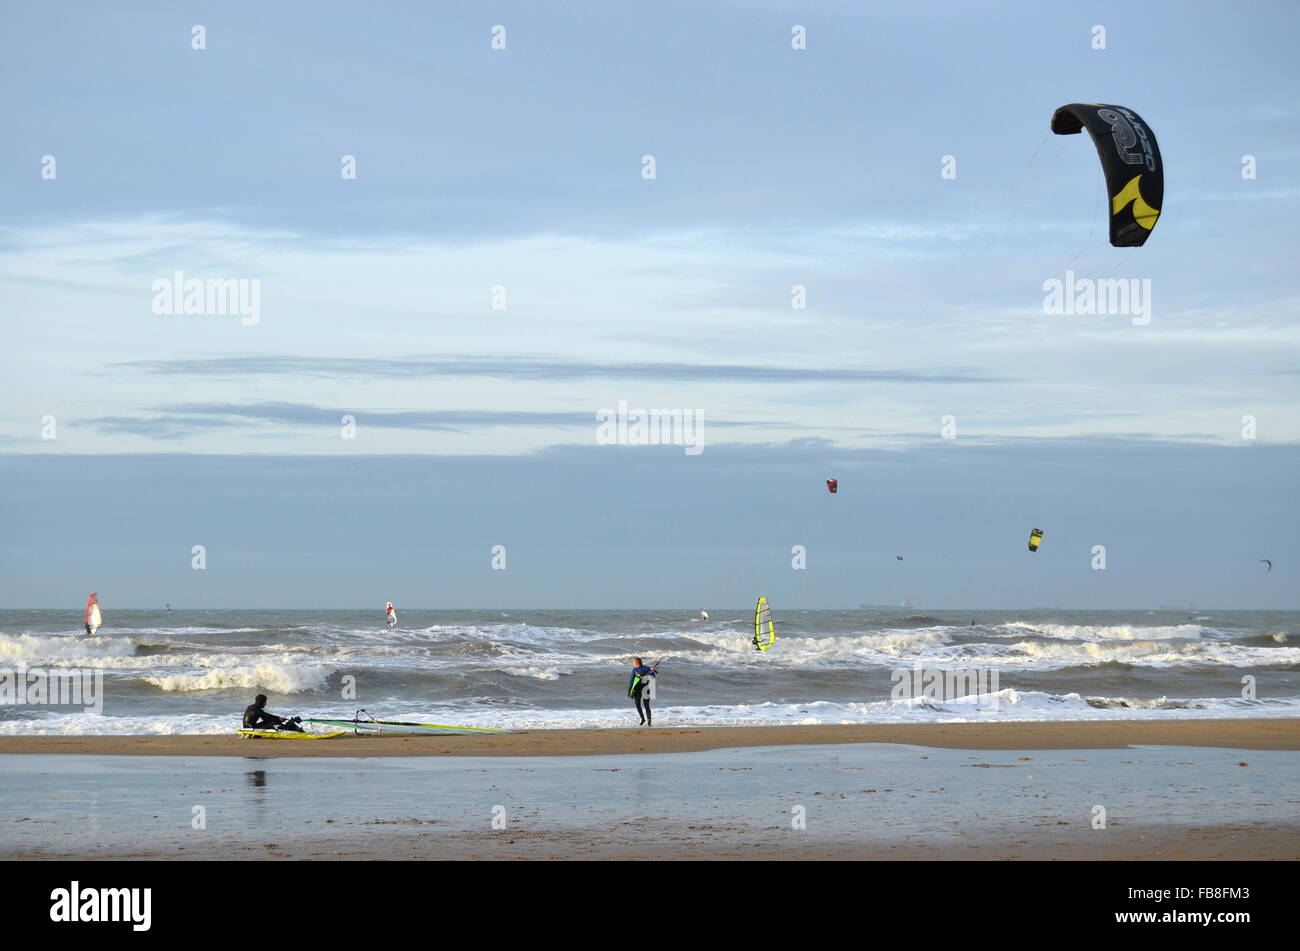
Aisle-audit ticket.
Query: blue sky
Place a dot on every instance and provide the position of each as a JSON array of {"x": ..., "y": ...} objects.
[{"x": 521, "y": 168}]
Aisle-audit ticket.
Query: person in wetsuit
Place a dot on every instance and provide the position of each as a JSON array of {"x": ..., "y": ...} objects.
[
  {"x": 256, "y": 718},
  {"x": 635, "y": 685}
]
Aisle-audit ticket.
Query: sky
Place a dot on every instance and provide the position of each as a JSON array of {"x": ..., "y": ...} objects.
[{"x": 832, "y": 259}]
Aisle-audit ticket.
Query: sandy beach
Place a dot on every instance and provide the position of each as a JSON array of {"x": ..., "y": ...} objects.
[{"x": 1270, "y": 734}]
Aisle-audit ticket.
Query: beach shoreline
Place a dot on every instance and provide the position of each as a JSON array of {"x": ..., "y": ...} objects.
[{"x": 1282, "y": 733}]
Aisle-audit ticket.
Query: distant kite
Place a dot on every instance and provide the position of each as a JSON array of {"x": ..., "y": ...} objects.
[
  {"x": 832, "y": 486},
  {"x": 899, "y": 557},
  {"x": 1035, "y": 537},
  {"x": 1265, "y": 561}
]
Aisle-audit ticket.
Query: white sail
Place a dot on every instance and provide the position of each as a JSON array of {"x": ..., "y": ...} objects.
[
  {"x": 94, "y": 620},
  {"x": 392, "y": 615}
]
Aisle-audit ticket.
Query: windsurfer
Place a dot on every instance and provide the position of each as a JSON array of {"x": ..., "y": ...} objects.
[{"x": 256, "y": 718}]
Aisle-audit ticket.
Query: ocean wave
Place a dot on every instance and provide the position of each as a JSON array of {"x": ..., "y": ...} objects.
[
  {"x": 1154, "y": 654},
  {"x": 172, "y": 666},
  {"x": 274, "y": 678},
  {"x": 537, "y": 673},
  {"x": 90, "y": 724},
  {"x": 1011, "y": 706},
  {"x": 183, "y": 631},
  {"x": 803, "y": 651},
  {"x": 939, "y": 647},
  {"x": 1110, "y": 632},
  {"x": 34, "y": 649}
]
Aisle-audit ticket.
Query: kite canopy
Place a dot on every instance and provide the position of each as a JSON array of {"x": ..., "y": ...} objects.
[
  {"x": 832, "y": 486},
  {"x": 1035, "y": 537},
  {"x": 1130, "y": 158}
]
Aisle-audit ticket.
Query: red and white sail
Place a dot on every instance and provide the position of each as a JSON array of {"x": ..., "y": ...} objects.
[{"x": 94, "y": 620}]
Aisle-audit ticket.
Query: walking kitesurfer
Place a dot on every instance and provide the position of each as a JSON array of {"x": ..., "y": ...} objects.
[{"x": 641, "y": 675}]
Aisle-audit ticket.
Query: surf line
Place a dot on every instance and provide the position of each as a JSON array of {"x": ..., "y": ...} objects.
[{"x": 954, "y": 683}]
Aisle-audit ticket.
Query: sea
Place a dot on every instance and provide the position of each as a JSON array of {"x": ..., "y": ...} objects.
[{"x": 194, "y": 671}]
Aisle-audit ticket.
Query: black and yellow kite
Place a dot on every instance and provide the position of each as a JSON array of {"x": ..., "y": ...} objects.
[
  {"x": 1035, "y": 537},
  {"x": 1135, "y": 175}
]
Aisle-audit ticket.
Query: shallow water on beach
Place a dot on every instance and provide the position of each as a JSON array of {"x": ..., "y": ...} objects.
[{"x": 127, "y": 805}]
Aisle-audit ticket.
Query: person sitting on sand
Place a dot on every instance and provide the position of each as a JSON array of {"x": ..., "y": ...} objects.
[
  {"x": 256, "y": 718},
  {"x": 636, "y": 684}
]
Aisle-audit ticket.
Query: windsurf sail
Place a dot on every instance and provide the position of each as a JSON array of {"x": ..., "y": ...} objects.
[
  {"x": 94, "y": 620},
  {"x": 392, "y": 615},
  {"x": 704, "y": 615},
  {"x": 367, "y": 724},
  {"x": 764, "y": 626}
]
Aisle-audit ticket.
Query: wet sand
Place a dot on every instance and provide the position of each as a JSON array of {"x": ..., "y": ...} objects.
[
  {"x": 1264, "y": 734},
  {"x": 1044, "y": 842},
  {"x": 704, "y": 843},
  {"x": 783, "y": 802}
]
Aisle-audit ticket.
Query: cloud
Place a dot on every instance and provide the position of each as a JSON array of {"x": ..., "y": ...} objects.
[
  {"x": 160, "y": 427},
  {"x": 185, "y": 419},
  {"x": 349, "y": 368}
]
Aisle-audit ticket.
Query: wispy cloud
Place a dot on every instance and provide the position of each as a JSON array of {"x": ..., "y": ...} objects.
[
  {"x": 347, "y": 368},
  {"x": 196, "y": 418}
]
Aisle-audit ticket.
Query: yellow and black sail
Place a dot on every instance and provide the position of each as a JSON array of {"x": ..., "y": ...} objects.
[
  {"x": 1035, "y": 537},
  {"x": 764, "y": 626}
]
